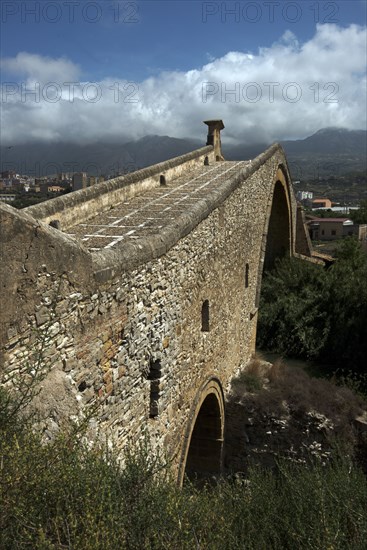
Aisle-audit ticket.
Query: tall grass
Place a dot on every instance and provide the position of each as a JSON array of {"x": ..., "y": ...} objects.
[{"x": 66, "y": 496}]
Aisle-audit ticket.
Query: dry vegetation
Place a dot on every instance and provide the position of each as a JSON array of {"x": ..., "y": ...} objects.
[{"x": 281, "y": 411}]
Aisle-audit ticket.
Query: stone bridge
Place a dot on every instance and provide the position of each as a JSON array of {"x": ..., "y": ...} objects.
[{"x": 140, "y": 295}]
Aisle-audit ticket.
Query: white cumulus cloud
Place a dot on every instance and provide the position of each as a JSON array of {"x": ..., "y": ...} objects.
[{"x": 286, "y": 91}]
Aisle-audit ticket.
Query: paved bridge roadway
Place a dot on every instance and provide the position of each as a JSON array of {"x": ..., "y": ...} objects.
[{"x": 148, "y": 213}]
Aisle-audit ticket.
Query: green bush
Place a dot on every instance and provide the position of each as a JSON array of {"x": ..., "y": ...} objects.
[
  {"x": 68, "y": 495},
  {"x": 315, "y": 313},
  {"x": 359, "y": 216},
  {"x": 292, "y": 315}
]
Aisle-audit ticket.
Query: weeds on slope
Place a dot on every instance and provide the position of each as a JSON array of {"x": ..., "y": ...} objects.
[{"x": 66, "y": 495}]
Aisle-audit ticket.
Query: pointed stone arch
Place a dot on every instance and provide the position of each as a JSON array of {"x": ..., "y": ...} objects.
[{"x": 278, "y": 235}]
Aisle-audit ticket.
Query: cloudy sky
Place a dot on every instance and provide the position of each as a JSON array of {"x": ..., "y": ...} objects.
[{"x": 113, "y": 71}]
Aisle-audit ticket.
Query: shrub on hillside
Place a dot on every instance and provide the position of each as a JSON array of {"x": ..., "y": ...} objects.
[
  {"x": 67, "y": 495},
  {"x": 293, "y": 315},
  {"x": 315, "y": 313}
]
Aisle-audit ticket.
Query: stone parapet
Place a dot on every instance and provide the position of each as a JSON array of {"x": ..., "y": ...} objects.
[{"x": 81, "y": 205}]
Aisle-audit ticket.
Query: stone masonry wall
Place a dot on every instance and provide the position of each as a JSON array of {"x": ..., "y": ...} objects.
[{"x": 130, "y": 341}]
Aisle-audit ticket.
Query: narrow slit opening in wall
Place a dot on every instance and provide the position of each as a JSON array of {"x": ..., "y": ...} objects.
[
  {"x": 154, "y": 375},
  {"x": 162, "y": 180},
  {"x": 206, "y": 161},
  {"x": 205, "y": 316},
  {"x": 247, "y": 273}
]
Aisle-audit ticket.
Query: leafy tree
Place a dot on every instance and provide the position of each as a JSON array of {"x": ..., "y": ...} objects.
[
  {"x": 347, "y": 311},
  {"x": 312, "y": 312},
  {"x": 325, "y": 213},
  {"x": 292, "y": 316},
  {"x": 360, "y": 215}
]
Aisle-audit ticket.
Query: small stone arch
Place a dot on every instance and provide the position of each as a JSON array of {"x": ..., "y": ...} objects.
[{"x": 202, "y": 453}]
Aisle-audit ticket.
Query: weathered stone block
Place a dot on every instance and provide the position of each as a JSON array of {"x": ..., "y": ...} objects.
[{"x": 42, "y": 316}]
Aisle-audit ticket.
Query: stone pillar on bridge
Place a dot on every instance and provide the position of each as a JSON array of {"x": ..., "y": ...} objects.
[{"x": 214, "y": 128}]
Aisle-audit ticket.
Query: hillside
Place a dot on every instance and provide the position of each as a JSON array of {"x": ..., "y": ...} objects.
[{"x": 330, "y": 151}]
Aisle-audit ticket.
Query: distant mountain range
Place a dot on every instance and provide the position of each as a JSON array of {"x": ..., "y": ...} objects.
[
  {"x": 97, "y": 158},
  {"x": 332, "y": 141},
  {"x": 330, "y": 151}
]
